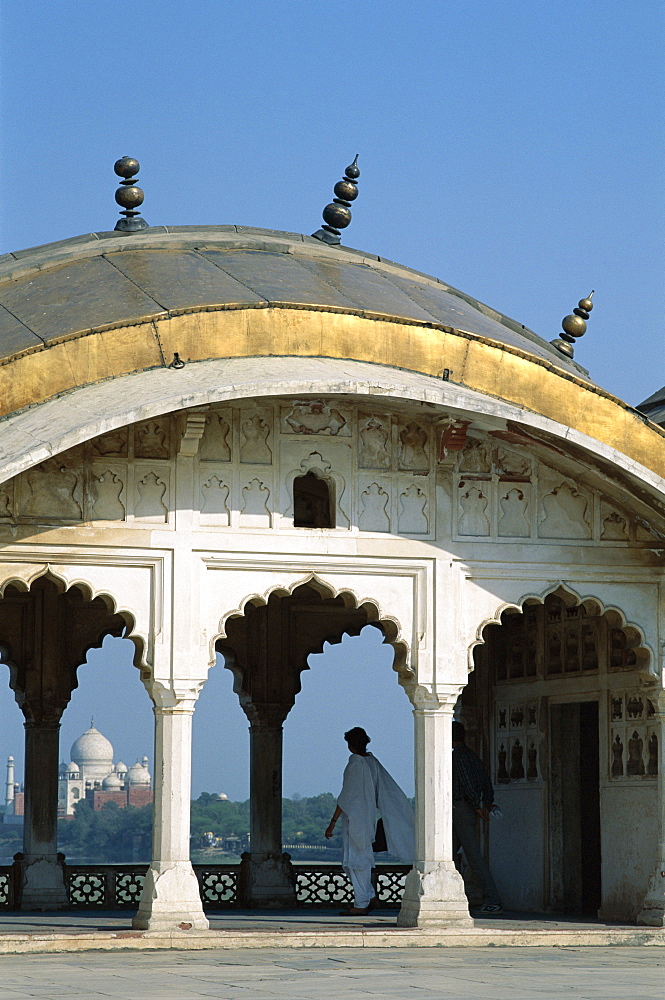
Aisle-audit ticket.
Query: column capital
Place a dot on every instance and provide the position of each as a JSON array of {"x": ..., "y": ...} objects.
[
  {"x": 439, "y": 698},
  {"x": 266, "y": 715},
  {"x": 180, "y": 698}
]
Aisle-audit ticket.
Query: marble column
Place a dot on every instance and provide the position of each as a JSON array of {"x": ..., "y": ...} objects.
[
  {"x": 653, "y": 911},
  {"x": 270, "y": 879},
  {"x": 434, "y": 892},
  {"x": 171, "y": 899},
  {"x": 43, "y": 883}
]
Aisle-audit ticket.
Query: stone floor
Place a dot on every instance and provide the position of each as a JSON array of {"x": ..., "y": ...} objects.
[
  {"x": 542, "y": 973},
  {"x": 72, "y": 931}
]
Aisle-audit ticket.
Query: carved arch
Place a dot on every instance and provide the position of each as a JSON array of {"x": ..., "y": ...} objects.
[
  {"x": 23, "y": 580},
  {"x": 322, "y": 469},
  {"x": 643, "y": 655},
  {"x": 348, "y": 599}
]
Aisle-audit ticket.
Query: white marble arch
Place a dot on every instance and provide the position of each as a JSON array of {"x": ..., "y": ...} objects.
[
  {"x": 397, "y": 593},
  {"x": 636, "y": 606},
  {"x": 36, "y": 433},
  {"x": 107, "y": 574},
  {"x": 634, "y": 595}
]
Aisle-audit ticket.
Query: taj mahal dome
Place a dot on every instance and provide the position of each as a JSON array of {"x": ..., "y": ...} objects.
[
  {"x": 91, "y": 771},
  {"x": 228, "y": 440}
]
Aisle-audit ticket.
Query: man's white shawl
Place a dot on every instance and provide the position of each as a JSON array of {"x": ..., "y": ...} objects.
[{"x": 368, "y": 791}]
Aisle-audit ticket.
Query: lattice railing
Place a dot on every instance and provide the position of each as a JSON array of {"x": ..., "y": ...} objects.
[
  {"x": 119, "y": 887},
  {"x": 105, "y": 887},
  {"x": 328, "y": 885},
  {"x": 6, "y": 888}
]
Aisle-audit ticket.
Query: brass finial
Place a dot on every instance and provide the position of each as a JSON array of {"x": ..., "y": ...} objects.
[
  {"x": 129, "y": 196},
  {"x": 337, "y": 214},
  {"x": 573, "y": 326}
]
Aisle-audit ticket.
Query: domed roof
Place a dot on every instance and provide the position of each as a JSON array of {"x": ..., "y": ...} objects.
[
  {"x": 92, "y": 748},
  {"x": 92, "y": 330},
  {"x": 120, "y": 768},
  {"x": 654, "y": 407},
  {"x": 111, "y": 782},
  {"x": 73, "y": 768},
  {"x": 138, "y": 774},
  {"x": 163, "y": 271}
]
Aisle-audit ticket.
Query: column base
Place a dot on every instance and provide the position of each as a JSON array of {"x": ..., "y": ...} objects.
[
  {"x": 434, "y": 897},
  {"x": 43, "y": 885},
  {"x": 653, "y": 911},
  {"x": 171, "y": 900},
  {"x": 268, "y": 880}
]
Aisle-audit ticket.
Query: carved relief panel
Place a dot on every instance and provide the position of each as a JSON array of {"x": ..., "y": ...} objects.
[
  {"x": 517, "y": 742},
  {"x": 494, "y": 492},
  {"x": 52, "y": 490},
  {"x": 316, "y": 417},
  {"x": 503, "y": 493},
  {"x": 375, "y": 508},
  {"x": 256, "y": 438},
  {"x": 129, "y": 475},
  {"x": 216, "y": 443},
  {"x": 633, "y": 737},
  {"x": 7, "y": 501},
  {"x": 374, "y": 441}
]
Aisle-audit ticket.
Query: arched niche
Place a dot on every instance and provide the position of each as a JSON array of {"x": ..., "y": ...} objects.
[
  {"x": 559, "y": 635},
  {"x": 313, "y": 502}
]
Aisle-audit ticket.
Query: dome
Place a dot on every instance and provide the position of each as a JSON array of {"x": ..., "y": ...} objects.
[
  {"x": 111, "y": 782},
  {"x": 120, "y": 768},
  {"x": 654, "y": 407},
  {"x": 138, "y": 774},
  {"x": 73, "y": 768},
  {"x": 232, "y": 299},
  {"x": 94, "y": 753}
]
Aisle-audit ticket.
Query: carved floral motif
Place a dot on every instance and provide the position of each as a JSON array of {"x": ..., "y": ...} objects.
[
  {"x": 107, "y": 506},
  {"x": 412, "y": 454},
  {"x": 565, "y": 514},
  {"x": 214, "y": 445},
  {"x": 254, "y": 449},
  {"x": 373, "y": 516},
  {"x": 53, "y": 490},
  {"x": 316, "y": 417},
  {"x": 373, "y": 449},
  {"x": 151, "y": 439}
]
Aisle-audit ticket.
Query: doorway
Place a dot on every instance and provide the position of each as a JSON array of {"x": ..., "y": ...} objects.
[{"x": 575, "y": 808}]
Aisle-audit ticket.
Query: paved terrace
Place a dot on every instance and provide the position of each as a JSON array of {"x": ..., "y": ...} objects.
[
  {"x": 68, "y": 931},
  {"x": 543, "y": 973}
]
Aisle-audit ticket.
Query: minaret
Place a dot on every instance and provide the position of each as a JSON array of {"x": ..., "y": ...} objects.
[{"x": 9, "y": 799}]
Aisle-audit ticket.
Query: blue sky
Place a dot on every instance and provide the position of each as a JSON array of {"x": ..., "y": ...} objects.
[{"x": 513, "y": 148}]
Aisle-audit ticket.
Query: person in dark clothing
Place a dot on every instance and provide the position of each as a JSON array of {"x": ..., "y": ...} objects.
[{"x": 473, "y": 796}]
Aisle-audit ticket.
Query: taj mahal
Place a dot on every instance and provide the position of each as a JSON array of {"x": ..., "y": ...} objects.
[{"x": 92, "y": 773}]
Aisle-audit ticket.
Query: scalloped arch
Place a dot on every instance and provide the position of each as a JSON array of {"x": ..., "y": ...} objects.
[
  {"x": 644, "y": 654},
  {"x": 388, "y": 624},
  {"x": 23, "y": 578}
]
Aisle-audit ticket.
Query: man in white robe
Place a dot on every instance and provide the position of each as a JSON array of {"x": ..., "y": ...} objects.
[{"x": 368, "y": 793}]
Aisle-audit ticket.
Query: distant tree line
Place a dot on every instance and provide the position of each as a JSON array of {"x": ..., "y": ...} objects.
[{"x": 114, "y": 836}]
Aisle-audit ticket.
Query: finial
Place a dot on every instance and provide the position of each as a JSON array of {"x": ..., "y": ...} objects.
[
  {"x": 129, "y": 196},
  {"x": 337, "y": 214},
  {"x": 573, "y": 326}
]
